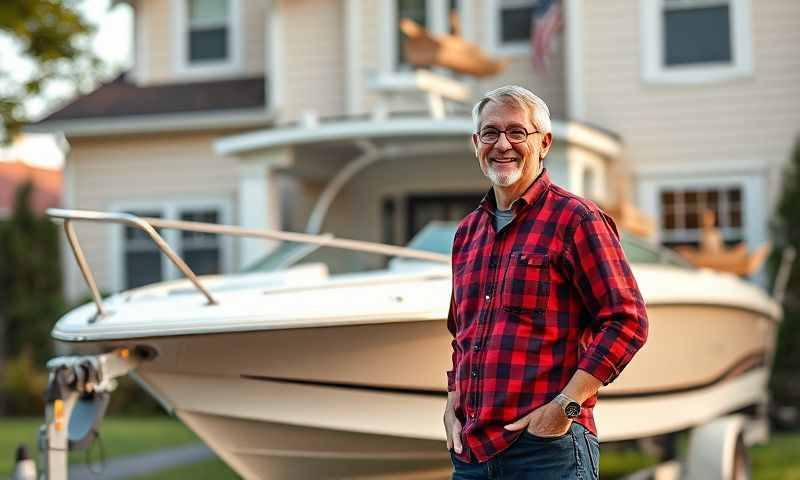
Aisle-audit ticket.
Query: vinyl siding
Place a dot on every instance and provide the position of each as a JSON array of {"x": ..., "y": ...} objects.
[
  {"x": 748, "y": 119},
  {"x": 151, "y": 169}
]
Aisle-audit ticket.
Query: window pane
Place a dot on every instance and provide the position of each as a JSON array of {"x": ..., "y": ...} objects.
[
  {"x": 142, "y": 268},
  {"x": 697, "y": 35},
  {"x": 203, "y": 261},
  {"x": 414, "y": 10},
  {"x": 142, "y": 257},
  {"x": 208, "y": 10},
  {"x": 208, "y": 44},
  {"x": 201, "y": 250},
  {"x": 516, "y": 24}
]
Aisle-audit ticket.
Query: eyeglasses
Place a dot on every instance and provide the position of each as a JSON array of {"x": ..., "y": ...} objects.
[{"x": 513, "y": 134}]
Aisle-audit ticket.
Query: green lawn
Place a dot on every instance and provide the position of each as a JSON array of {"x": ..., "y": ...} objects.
[
  {"x": 208, "y": 470},
  {"x": 121, "y": 436}
]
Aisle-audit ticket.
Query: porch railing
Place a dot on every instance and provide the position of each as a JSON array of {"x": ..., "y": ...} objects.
[{"x": 149, "y": 225}]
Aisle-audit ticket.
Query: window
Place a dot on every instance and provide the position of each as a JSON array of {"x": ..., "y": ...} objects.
[
  {"x": 695, "y": 41},
  {"x": 201, "y": 251},
  {"x": 415, "y": 10},
  {"x": 682, "y": 211},
  {"x": 696, "y": 32},
  {"x": 208, "y": 30},
  {"x": 207, "y": 37},
  {"x": 142, "y": 263},
  {"x": 142, "y": 258},
  {"x": 516, "y": 21},
  {"x": 423, "y": 209}
]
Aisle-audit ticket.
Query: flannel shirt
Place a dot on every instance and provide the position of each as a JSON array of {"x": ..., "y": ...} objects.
[{"x": 549, "y": 293}]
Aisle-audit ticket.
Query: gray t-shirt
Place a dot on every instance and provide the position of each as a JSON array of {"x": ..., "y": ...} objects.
[{"x": 502, "y": 218}]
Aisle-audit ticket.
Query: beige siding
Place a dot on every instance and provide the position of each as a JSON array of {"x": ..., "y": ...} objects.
[
  {"x": 748, "y": 119},
  {"x": 156, "y": 23},
  {"x": 142, "y": 169},
  {"x": 313, "y": 52}
]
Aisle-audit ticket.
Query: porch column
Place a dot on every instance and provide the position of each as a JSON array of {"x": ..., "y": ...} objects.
[{"x": 259, "y": 200}]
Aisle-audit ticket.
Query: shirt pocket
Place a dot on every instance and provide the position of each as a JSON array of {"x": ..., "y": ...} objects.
[{"x": 526, "y": 284}]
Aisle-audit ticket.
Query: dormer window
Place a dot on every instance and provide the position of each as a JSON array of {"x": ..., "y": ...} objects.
[
  {"x": 208, "y": 37},
  {"x": 208, "y": 30}
]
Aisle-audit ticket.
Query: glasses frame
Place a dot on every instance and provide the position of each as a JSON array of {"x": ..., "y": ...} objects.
[{"x": 527, "y": 134}]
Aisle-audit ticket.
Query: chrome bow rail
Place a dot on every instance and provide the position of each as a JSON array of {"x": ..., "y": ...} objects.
[{"x": 149, "y": 225}]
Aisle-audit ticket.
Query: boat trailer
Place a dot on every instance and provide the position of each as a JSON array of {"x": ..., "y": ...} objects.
[{"x": 78, "y": 391}]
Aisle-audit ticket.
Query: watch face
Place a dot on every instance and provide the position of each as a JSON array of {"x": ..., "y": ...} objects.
[{"x": 572, "y": 410}]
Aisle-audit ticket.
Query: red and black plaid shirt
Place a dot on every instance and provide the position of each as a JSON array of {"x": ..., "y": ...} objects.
[{"x": 548, "y": 294}]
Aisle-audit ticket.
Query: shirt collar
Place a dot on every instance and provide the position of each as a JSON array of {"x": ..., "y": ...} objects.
[{"x": 528, "y": 198}]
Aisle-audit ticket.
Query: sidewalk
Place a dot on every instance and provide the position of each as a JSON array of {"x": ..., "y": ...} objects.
[{"x": 143, "y": 463}]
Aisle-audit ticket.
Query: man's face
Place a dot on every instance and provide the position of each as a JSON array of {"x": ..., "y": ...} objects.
[{"x": 509, "y": 164}]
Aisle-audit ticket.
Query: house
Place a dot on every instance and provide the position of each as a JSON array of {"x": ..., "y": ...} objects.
[{"x": 244, "y": 112}]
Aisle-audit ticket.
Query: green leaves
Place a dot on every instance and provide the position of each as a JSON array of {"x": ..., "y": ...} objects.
[{"x": 55, "y": 39}]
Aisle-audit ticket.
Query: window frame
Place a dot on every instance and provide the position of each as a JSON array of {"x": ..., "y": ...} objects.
[
  {"x": 435, "y": 11},
  {"x": 495, "y": 31},
  {"x": 169, "y": 209},
  {"x": 653, "y": 69},
  {"x": 230, "y": 67},
  {"x": 689, "y": 235}
]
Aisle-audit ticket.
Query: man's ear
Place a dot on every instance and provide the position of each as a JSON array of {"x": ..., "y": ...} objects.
[
  {"x": 547, "y": 142},
  {"x": 475, "y": 143}
]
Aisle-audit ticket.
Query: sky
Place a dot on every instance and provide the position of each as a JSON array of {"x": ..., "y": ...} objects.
[{"x": 113, "y": 43}]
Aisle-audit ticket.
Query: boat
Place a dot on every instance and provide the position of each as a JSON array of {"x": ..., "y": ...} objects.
[{"x": 297, "y": 372}]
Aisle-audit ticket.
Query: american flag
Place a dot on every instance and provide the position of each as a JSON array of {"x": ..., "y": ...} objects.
[{"x": 547, "y": 23}]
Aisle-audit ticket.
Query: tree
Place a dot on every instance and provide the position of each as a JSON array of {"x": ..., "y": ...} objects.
[
  {"x": 786, "y": 230},
  {"x": 30, "y": 279},
  {"x": 53, "y": 42}
]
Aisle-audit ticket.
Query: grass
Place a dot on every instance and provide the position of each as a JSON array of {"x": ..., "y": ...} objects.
[
  {"x": 120, "y": 436},
  {"x": 779, "y": 459}
]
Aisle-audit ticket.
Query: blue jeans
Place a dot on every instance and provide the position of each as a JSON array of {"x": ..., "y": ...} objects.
[{"x": 574, "y": 455}]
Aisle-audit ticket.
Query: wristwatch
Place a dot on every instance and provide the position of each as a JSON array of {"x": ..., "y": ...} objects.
[{"x": 572, "y": 409}]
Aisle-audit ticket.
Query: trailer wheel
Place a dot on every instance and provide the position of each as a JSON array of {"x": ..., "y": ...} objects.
[{"x": 742, "y": 466}]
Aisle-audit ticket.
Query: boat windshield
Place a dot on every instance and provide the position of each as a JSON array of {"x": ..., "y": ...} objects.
[{"x": 436, "y": 236}]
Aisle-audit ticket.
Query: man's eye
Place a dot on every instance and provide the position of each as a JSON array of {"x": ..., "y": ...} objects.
[{"x": 517, "y": 133}]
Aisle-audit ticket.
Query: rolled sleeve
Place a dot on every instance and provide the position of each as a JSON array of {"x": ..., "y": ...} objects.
[{"x": 603, "y": 278}]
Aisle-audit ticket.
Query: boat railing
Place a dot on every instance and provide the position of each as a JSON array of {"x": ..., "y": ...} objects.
[{"x": 149, "y": 225}]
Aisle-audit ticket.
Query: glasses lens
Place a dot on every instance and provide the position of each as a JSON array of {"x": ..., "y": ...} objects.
[
  {"x": 489, "y": 135},
  {"x": 516, "y": 134}
]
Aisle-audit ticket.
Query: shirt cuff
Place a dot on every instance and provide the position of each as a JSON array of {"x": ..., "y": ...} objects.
[
  {"x": 451, "y": 381},
  {"x": 600, "y": 369}
]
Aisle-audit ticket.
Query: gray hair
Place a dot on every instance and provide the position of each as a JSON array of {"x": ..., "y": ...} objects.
[{"x": 524, "y": 98}]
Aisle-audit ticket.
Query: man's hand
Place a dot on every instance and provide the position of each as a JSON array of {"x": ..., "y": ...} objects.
[
  {"x": 546, "y": 421},
  {"x": 452, "y": 426}
]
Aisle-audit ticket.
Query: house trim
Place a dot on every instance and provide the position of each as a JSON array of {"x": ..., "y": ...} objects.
[
  {"x": 275, "y": 77},
  {"x": 231, "y": 67},
  {"x": 169, "y": 207},
  {"x": 651, "y": 32},
  {"x": 353, "y": 39},
  {"x": 184, "y": 121},
  {"x": 576, "y": 100}
]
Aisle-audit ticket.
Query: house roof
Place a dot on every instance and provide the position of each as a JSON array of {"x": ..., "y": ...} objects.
[
  {"x": 121, "y": 98},
  {"x": 46, "y": 186}
]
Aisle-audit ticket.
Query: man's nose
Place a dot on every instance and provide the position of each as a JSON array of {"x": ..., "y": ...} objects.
[{"x": 502, "y": 142}]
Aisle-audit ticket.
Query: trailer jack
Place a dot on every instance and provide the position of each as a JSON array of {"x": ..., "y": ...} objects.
[{"x": 78, "y": 391}]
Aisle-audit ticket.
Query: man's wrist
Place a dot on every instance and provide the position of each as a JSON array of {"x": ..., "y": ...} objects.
[{"x": 570, "y": 407}]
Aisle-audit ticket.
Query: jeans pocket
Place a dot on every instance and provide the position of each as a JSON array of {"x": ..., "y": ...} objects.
[
  {"x": 593, "y": 448},
  {"x": 528, "y": 434}
]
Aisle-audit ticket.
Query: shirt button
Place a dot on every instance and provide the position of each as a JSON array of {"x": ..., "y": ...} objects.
[
  {"x": 488, "y": 297},
  {"x": 473, "y": 416},
  {"x": 474, "y": 372},
  {"x": 477, "y": 346},
  {"x": 492, "y": 263}
]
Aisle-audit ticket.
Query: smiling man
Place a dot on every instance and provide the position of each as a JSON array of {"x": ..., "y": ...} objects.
[{"x": 544, "y": 309}]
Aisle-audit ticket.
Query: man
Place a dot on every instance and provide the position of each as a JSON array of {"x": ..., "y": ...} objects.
[{"x": 544, "y": 309}]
